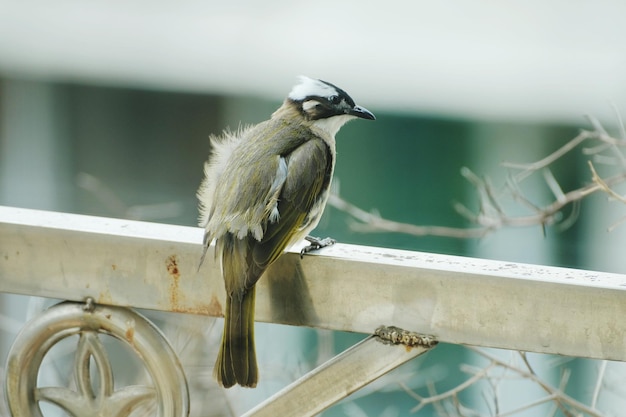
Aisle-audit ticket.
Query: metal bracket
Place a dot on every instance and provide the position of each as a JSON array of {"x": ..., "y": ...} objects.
[
  {"x": 88, "y": 321},
  {"x": 347, "y": 372}
]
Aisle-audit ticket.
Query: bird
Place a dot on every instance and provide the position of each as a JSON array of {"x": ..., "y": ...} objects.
[{"x": 265, "y": 187}]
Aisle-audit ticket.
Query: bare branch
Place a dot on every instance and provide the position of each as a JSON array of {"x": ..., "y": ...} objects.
[
  {"x": 603, "y": 185},
  {"x": 528, "y": 169},
  {"x": 453, "y": 392},
  {"x": 553, "y": 184},
  {"x": 560, "y": 396},
  {"x": 491, "y": 214},
  {"x": 492, "y": 373},
  {"x": 374, "y": 223}
]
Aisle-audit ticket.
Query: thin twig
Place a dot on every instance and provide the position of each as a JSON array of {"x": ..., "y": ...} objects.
[
  {"x": 563, "y": 397},
  {"x": 374, "y": 223},
  {"x": 603, "y": 184},
  {"x": 596, "y": 390},
  {"x": 528, "y": 406},
  {"x": 528, "y": 169},
  {"x": 568, "y": 406},
  {"x": 450, "y": 393},
  {"x": 553, "y": 184}
]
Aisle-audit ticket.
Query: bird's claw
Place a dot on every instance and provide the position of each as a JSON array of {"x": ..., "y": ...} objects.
[{"x": 315, "y": 244}]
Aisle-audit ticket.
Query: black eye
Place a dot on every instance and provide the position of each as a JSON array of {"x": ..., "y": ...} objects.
[{"x": 334, "y": 99}]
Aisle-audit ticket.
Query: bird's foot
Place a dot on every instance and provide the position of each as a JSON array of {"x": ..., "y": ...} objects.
[{"x": 315, "y": 244}]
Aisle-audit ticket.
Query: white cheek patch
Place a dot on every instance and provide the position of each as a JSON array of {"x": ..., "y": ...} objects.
[{"x": 308, "y": 105}]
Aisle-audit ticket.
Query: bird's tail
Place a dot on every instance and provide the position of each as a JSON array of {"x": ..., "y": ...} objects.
[{"x": 236, "y": 360}]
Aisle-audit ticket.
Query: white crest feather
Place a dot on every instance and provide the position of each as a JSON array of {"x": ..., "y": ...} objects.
[{"x": 311, "y": 87}]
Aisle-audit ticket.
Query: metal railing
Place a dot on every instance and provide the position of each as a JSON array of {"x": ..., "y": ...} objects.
[{"x": 107, "y": 265}]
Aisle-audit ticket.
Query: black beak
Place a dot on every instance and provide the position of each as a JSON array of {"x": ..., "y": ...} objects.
[{"x": 362, "y": 113}]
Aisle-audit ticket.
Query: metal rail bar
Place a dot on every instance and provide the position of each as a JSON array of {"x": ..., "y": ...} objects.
[
  {"x": 344, "y": 287},
  {"x": 336, "y": 379}
]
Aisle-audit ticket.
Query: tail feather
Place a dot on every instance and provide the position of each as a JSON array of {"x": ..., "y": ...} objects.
[{"x": 236, "y": 360}]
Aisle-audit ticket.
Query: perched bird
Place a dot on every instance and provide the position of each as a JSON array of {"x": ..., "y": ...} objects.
[{"x": 265, "y": 188}]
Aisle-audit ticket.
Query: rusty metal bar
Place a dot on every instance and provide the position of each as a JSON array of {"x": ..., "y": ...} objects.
[{"x": 344, "y": 287}]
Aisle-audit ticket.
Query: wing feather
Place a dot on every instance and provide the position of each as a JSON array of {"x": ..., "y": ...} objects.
[
  {"x": 236, "y": 195},
  {"x": 307, "y": 175}
]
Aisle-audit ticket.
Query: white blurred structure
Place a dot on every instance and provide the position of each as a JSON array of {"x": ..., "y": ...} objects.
[{"x": 528, "y": 60}]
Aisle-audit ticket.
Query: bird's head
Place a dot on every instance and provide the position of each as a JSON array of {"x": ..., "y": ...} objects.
[{"x": 325, "y": 104}]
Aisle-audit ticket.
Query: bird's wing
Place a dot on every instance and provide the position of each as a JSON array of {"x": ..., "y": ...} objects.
[
  {"x": 308, "y": 173},
  {"x": 242, "y": 197}
]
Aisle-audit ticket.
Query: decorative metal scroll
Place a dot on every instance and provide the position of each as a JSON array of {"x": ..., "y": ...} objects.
[{"x": 169, "y": 394}]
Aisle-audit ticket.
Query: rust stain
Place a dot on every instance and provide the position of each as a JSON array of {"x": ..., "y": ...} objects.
[
  {"x": 177, "y": 300},
  {"x": 213, "y": 308},
  {"x": 171, "y": 264},
  {"x": 130, "y": 335},
  {"x": 114, "y": 267}
]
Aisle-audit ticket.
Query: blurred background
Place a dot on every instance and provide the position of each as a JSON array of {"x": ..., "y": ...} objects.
[{"x": 106, "y": 108}]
